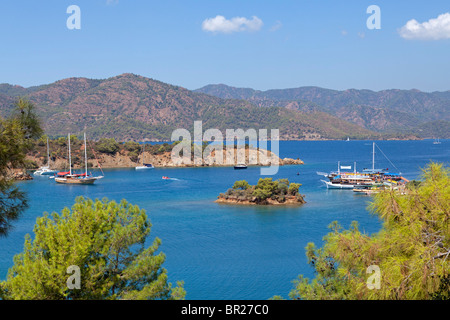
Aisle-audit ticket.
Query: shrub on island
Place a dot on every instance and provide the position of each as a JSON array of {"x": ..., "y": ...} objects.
[{"x": 266, "y": 191}]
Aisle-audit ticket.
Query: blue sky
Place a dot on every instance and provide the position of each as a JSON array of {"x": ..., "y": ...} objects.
[{"x": 280, "y": 44}]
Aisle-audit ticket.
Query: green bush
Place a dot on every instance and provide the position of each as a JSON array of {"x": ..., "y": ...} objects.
[
  {"x": 241, "y": 184},
  {"x": 293, "y": 188},
  {"x": 109, "y": 146},
  {"x": 265, "y": 188},
  {"x": 261, "y": 194},
  {"x": 132, "y": 146}
]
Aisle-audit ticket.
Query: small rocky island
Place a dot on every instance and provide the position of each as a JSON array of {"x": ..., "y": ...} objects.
[{"x": 265, "y": 192}]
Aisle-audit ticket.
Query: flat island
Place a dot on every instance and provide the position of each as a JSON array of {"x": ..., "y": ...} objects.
[{"x": 265, "y": 192}]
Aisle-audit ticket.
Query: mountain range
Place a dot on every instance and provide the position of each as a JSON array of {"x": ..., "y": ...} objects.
[
  {"x": 133, "y": 107},
  {"x": 420, "y": 113}
]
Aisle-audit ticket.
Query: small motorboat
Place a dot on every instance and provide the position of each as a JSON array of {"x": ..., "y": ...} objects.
[
  {"x": 165, "y": 178},
  {"x": 145, "y": 166},
  {"x": 44, "y": 171},
  {"x": 240, "y": 166}
]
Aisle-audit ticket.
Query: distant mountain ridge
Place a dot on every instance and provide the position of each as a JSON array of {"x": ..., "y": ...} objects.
[
  {"x": 133, "y": 107},
  {"x": 383, "y": 111}
]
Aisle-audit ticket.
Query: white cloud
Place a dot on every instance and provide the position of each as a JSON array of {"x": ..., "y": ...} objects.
[
  {"x": 433, "y": 29},
  {"x": 276, "y": 26},
  {"x": 237, "y": 24}
]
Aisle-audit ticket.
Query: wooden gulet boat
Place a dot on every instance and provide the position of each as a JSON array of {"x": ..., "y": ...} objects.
[
  {"x": 367, "y": 181},
  {"x": 71, "y": 178}
]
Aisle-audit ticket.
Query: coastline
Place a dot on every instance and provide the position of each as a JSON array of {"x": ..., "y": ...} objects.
[{"x": 164, "y": 160}]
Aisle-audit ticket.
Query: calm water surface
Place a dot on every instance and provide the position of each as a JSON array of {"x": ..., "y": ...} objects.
[{"x": 234, "y": 252}]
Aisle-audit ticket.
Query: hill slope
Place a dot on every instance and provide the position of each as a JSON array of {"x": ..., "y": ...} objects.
[
  {"x": 385, "y": 111},
  {"x": 129, "y": 106}
]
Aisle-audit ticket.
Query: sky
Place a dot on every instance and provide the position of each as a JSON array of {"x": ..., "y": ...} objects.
[{"x": 255, "y": 44}]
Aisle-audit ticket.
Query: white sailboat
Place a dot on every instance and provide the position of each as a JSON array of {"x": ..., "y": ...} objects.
[
  {"x": 45, "y": 170},
  {"x": 436, "y": 141},
  {"x": 71, "y": 178},
  {"x": 144, "y": 165}
]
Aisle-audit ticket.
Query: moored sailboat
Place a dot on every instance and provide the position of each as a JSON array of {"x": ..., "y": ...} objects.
[
  {"x": 45, "y": 170},
  {"x": 73, "y": 178}
]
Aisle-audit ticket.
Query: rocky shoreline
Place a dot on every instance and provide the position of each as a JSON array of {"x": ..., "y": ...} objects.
[
  {"x": 19, "y": 175},
  {"x": 290, "y": 200},
  {"x": 164, "y": 160}
]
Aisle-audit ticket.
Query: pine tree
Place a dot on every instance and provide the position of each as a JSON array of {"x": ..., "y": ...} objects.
[
  {"x": 105, "y": 241},
  {"x": 411, "y": 251},
  {"x": 17, "y": 133}
]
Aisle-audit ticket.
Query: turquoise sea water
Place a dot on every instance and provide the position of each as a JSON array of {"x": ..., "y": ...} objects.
[{"x": 234, "y": 252}]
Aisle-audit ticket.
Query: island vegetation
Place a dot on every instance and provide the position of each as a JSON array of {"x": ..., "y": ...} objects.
[{"x": 265, "y": 192}]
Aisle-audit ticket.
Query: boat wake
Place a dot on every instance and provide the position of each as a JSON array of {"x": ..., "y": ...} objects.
[{"x": 167, "y": 178}]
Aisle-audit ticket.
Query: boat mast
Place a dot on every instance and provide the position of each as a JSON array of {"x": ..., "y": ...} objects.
[
  {"x": 70, "y": 160},
  {"x": 85, "y": 155},
  {"x": 373, "y": 158},
  {"x": 48, "y": 155}
]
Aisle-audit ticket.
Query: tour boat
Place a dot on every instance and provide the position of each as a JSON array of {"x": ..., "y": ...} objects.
[
  {"x": 349, "y": 182},
  {"x": 367, "y": 178},
  {"x": 240, "y": 166},
  {"x": 72, "y": 178}
]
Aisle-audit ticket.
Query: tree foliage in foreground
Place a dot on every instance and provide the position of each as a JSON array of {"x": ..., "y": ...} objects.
[
  {"x": 411, "y": 250},
  {"x": 106, "y": 240},
  {"x": 17, "y": 134}
]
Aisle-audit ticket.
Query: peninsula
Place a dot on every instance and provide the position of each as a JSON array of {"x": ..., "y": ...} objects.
[{"x": 108, "y": 153}]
